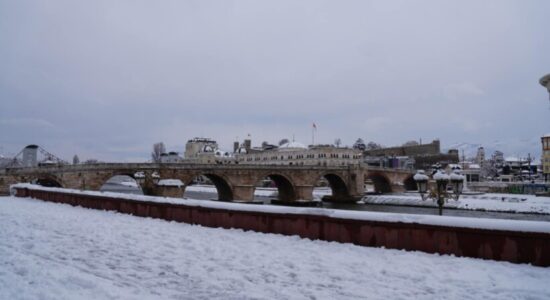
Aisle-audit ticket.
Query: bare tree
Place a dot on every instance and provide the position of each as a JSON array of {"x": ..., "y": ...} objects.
[
  {"x": 373, "y": 146},
  {"x": 360, "y": 144},
  {"x": 76, "y": 160},
  {"x": 158, "y": 149},
  {"x": 283, "y": 141},
  {"x": 337, "y": 142}
]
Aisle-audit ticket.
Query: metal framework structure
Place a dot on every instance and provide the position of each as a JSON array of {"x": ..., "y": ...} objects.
[{"x": 16, "y": 161}]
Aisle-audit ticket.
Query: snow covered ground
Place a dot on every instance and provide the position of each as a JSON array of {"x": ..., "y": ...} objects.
[
  {"x": 488, "y": 201},
  {"x": 55, "y": 251}
]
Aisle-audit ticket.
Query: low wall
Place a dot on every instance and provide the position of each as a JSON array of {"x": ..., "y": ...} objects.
[{"x": 507, "y": 245}]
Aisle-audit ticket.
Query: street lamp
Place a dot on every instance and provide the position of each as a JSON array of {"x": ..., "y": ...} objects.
[
  {"x": 422, "y": 183},
  {"x": 442, "y": 180},
  {"x": 457, "y": 180}
]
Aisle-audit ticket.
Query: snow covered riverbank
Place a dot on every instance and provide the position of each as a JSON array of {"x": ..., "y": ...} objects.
[
  {"x": 54, "y": 251},
  {"x": 488, "y": 202}
]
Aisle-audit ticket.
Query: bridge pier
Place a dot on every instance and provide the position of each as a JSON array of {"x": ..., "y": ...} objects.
[
  {"x": 243, "y": 192},
  {"x": 172, "y": 191},
  {"x": 398, "y": 188},
  {"x": 304, "y": 192}
]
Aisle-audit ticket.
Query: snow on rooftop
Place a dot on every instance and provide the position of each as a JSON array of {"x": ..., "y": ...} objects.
[{"x": 293, "y": 145}]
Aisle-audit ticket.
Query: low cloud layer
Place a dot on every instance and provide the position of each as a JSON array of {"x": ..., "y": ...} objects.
[{"x": 106, "y": 79}]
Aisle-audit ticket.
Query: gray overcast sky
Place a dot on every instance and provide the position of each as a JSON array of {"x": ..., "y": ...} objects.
[{"x": 107, "y": 79}]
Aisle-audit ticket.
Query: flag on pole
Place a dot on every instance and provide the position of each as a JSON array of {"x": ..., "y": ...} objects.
[{"x": 313, "y": 129}]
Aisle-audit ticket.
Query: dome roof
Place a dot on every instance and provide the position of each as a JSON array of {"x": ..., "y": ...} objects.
[
  {"x": 242, "y": 150},
  {"x": 293, "y": 145},
  {"x": 222, "y": 153},
  {"x": 208, "y": 148}
]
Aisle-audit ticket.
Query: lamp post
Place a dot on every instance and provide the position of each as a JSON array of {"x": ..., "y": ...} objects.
[
  {"x": 440, "y": 193},
  {"x": 422, "y": 183}
]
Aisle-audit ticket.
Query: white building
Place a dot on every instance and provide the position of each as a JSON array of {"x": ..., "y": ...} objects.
[
  {"x": 206, "y": 151},
  {"x": 171, "y": 157},
  {"x": 199, "y": 145},
  {"x": 294, "y": 153}
]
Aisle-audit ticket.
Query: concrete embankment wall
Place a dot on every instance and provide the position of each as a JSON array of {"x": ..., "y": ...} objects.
[{"x": 506, "y": 245}]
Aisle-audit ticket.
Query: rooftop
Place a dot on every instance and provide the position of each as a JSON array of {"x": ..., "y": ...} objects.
[{"x": 292, "y": 145}]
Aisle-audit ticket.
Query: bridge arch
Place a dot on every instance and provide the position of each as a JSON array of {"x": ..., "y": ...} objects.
[
  {"x": 123, "y": 182},
  {"x": 103, "y": 177},
  {"x": 222, "y": 184},
  {"x": 285, "y": 187},
  {"x": 338, "y": 186},
  {"x": 47, "y": 181},
  {"x": 381, "y": 182}
]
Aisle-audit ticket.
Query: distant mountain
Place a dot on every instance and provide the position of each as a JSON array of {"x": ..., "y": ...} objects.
[
  {"x": 469, "y": 150},
  {"x": 512, "y": 147}
]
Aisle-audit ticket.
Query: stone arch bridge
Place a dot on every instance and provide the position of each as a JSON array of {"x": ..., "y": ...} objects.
[{"x": 233, "y": 182}]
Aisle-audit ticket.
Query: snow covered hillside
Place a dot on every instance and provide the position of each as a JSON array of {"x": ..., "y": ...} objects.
[{"x": 55, "y": 251}]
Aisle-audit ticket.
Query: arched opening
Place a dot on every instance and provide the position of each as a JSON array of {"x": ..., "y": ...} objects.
[
  {"x": 47, "y": 182},
  {"x": 337, "y": 186},
  {"x": 381, "y": 183},
  {"x": 283, "y": 186},
  {"x": 410, "y": 184},
  {"x": 126, "y": 184},
  {"x": 208, "y": 186}
]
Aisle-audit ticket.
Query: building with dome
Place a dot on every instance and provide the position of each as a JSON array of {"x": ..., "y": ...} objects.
[
  {"x": 206, "y": 151},
  {"x": 198, "y": 145},
  {"x": 295, "y": 153}
]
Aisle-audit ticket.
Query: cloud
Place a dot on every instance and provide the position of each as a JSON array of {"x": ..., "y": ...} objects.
[
  {"x": 27, "y": 122},
  {"x": 109, "y": 80},
  {"x": 460, "y": 90}
]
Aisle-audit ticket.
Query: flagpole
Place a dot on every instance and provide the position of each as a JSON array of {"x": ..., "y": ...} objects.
[{"x": 313, "y": 129}]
